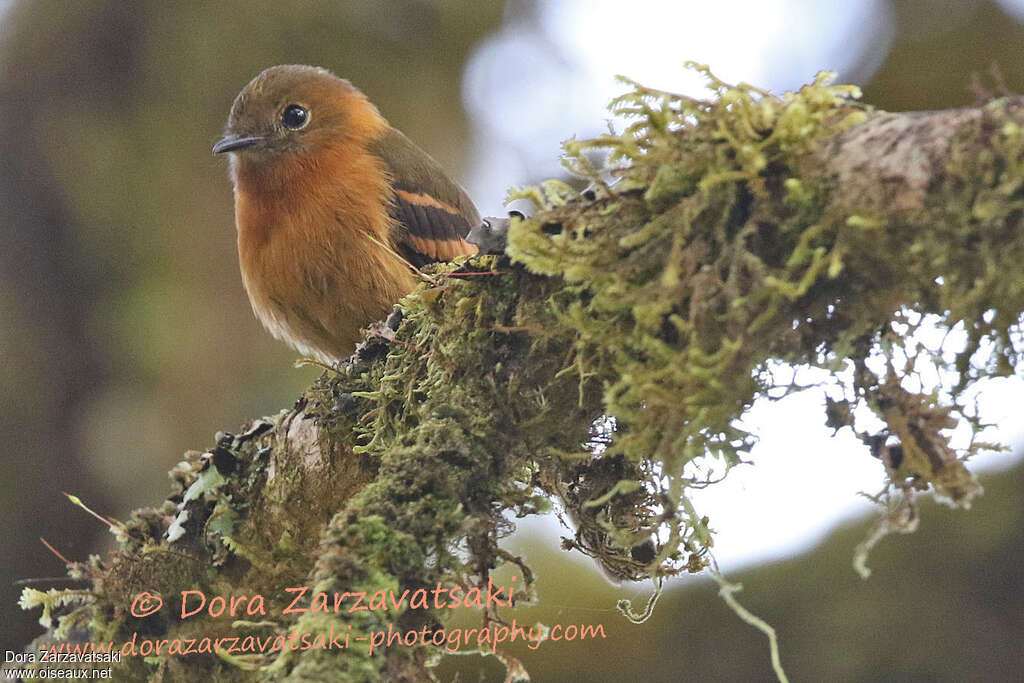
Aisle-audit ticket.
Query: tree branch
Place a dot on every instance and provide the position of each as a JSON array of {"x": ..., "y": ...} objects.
[{"x": 601, "y": 364}]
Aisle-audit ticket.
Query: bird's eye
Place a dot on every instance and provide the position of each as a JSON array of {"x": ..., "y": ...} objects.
[{"x": 295, "y": 117}]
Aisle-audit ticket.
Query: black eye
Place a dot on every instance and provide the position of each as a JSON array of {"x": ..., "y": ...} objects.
[{"x": 295, "y": 117}]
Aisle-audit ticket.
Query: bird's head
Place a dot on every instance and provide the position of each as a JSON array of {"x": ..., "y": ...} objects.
[{"x": 295, "y": 111}]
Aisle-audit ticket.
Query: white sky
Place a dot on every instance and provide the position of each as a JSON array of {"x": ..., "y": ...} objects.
[
  {"x": 1013, "y": 7},
  {"x": 533, "y": 85},
  {"x": 529, "y": 87}
]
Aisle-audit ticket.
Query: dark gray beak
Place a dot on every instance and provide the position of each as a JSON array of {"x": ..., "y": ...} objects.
[{"x": 230, "y": 143}]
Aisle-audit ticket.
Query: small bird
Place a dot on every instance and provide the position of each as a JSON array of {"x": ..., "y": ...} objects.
[{"x": 332, "y": 204}]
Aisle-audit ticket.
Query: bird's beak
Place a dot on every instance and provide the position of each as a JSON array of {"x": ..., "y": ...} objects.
[{"x": 230, "y": 143}]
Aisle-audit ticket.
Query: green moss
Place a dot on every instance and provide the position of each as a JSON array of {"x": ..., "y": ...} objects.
[{"x": 603, "y": 363}]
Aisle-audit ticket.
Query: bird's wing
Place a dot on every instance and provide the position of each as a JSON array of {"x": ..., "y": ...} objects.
[{"x": 432, "y": 213}]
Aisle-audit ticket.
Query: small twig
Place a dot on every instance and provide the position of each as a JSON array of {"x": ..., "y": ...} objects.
[
  {"x": 48, "y": 579},
  {"x": 519, "y": 562},
  {"x": 112, "y": 523},
  {"x": 414, "y": 269},
  {"x": 305, "y": 360},
  {"x": 259, "y": 429},
  {"x": 476, "y": 272},
  {"x": 54, "y": 551},
  {"x": 625, "y": 607},
  {"x": 404, "y": 343},
  {"x": 726, "y": 590}
]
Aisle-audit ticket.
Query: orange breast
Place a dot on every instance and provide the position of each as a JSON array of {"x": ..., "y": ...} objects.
[{"x": 313, "y": 274}]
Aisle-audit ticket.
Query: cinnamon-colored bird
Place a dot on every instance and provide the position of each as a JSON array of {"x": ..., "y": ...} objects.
[{"x": 327, "y": 195}]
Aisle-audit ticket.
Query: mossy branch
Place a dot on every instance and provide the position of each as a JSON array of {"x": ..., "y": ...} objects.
[{"x": 603, "y": 364}]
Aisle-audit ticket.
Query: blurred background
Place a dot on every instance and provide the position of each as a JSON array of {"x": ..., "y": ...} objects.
[{"x": 126, "y": 337}]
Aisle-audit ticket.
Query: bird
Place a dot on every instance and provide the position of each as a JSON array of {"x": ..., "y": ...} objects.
[{"x": 332, "y": 207}]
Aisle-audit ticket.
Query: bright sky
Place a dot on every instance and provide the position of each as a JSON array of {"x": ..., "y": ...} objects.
[{"x": 531, "y": 86}]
